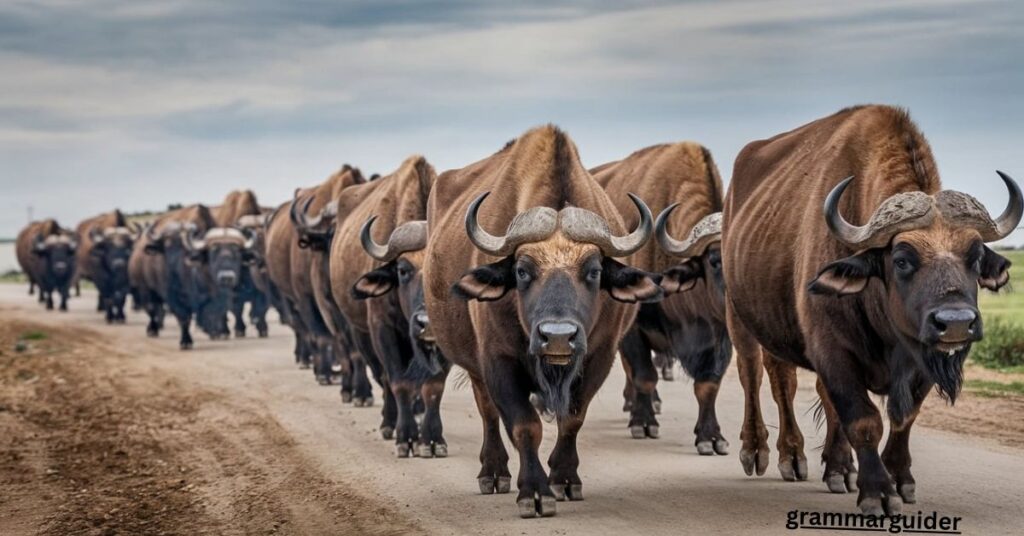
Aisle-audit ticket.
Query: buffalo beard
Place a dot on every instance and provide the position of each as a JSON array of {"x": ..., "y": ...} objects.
[
  {"x": 555, "y": 382},
  {"x": 947, "y": 371}
]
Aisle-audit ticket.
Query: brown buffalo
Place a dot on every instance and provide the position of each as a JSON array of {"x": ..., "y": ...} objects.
[
  {"x": 105, "y": 245},
  {"x": 679, "y": 180},
  {"x": 540, "y": 308},
  {"x": 291, "y": 268},
  {"x": 885, "y": 305},
  {"x": 46, "y": 253},
  {"x": 378, "y": 248},
  {"x": 160, "y": 271}
]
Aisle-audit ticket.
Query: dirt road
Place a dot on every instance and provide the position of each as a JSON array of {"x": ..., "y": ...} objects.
[{"x": 281, "y": 454}]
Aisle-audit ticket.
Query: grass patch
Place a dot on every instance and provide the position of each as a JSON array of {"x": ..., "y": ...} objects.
[
  {"x": 13, "y": 276},
  {"x": 991, "y": 388},
  {"x": 1002, "y": 346},
  {"x": 34, "y": 335}
]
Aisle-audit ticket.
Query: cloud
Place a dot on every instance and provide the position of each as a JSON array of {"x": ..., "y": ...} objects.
[{"x": 144, "y": 102}]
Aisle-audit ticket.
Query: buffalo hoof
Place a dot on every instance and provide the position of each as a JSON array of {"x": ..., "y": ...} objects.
[
  {"x": 840, "y": 483},
  {"x": 490, "y": 485},
  {"x": 708, "y": 447},
  {"x": 304, "y": 365},
  {"x": 793, "y": 469},
  {"x": 323, "y": 379},
  {"x": 185, "y": 345},
  {"x": 627, "y": 406},
  {"x": 668, "y": 375},
  {"x": 346, "y": 397},
  {"x": 639, "y": 431},
  {"x": 539, "y": 507},
  {"x": 908, "y": 492},
  {"x": 403, "y": 450},
  {"x": 435, "y": 450},
  {"x": 657, "y": 407},
  {"x": 754, "y": 460},
  {"x": 387, "y": 432},
  {"x": 572, "y": 492},
  {"x": 152, "y": 333},
  {"x": 880, "y": 506},
  {"x": 361, "y": 402},
  {"x": 239, "y": 334},
  {"x": 264, "y": 333}
]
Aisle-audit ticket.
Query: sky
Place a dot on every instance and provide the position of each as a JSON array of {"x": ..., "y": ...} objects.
[{"x": 138, "y": 103}]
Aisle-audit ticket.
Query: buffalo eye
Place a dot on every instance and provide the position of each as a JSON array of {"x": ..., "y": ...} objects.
[
  {"x": 904, "y": 262},
  {"x": 594, "y": 275},
  {"x": 522, "y": 274}
]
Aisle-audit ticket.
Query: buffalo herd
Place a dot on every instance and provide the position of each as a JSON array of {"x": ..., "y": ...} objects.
[{"x": 834, "y": 249}]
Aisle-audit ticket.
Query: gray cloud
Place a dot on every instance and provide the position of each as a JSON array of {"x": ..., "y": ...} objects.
[{"x": 141, "y": 103}]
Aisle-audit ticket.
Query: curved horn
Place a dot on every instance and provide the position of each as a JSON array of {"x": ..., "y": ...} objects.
[
  {"x": 484, "y": 241},
  {"x": 149, "y": 232},
  {"x": 900, "y": 212},
  {"x": 837, "y": 225},
  {"x": 623, "y": 246},
  {"x": 95, "y": 235},
  {"x": 188, "y": 240},
  {"x": 250, "y": 238},
  {"x": 39, "y": 243},
  {"x": 1011, "y": 216},
  {"x": 372, "y": 248},
  {"x": 706, "y": 231},
  {"x": 298, "y": 216},
  {"x": 410, "y": 236}
]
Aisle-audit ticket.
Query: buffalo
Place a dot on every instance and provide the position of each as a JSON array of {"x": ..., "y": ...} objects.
[
  {"x": 538, "y": 309},
  {"x": 105, "y": 246},
  {"x": 46, "y": 253},
  {"x": 163, "y": 275},
  {"x": 682, "y": 181},
  {"x": 884, "y": 305},
  {"x": 391, "y": 327}
]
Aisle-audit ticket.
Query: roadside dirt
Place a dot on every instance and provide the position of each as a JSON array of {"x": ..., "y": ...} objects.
[
  {"x": 92, "y": 444},
  {"x": 980, "y": 413}
]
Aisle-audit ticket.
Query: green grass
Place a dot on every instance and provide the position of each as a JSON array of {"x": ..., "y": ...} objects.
[
  {"x": 12, "y": 276},
  {"x": 34, "y": 336},
  {"x": 990, "y": 388}
]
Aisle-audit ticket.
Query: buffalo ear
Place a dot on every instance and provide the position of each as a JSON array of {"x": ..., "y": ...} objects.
[
  {"x": 847, "y": 276},
  {"x": 627, "y": 284},
  {"x": 376, "y": 282},
  {"x": 486, "y": 283},
  {"x": 683, "y": 276},
  {"x": 995, "y": 270}
]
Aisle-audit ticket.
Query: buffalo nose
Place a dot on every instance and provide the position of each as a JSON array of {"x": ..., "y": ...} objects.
[
  {"x": 226, "y": 279},
  {"x": 557, "y": 338},
  {"x": 955, "y": 325}
]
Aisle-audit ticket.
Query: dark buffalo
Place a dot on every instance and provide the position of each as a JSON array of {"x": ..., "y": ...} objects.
[
  {"x": 392, "y": 328},
  {"x": 540, "y": 309},
  {"x": 166, "y": 277},
  {"x": 885, "y": 306},
  {"x": 681, "y": 181},
  {"x": 105, "y": 246},
  {"x": 221, "y": 255},
  {"x": 46, "y": 253}
]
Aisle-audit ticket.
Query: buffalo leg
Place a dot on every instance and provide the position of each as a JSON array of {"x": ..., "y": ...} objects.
[
  {"x": 31, "y": 287},
  {"x": 636, "y": 351},
  {"x": 509, "y": 386},
  {"x": 406, "y": 430},
  {"x": 896, "y": 455},
  {"x": 185, "y": 321},
  {"x": 753, "y": 433},
  {"x": 362, "y": 391},
  {"x": 258, "y": 308},
  {"x": 238, "y": 311},
  {"x": 782, "y": 376},
  {"x": 628, "y": 391},
  {"x": 64, "y": 295},
  {"x": 840, "y": 471},
  {"x": 432, "y": 441},
  {"x": 154, "y": 308},
  {"x": 863, "y": 426},
  {"x": 494, "y": 476},
  {"x": 101, "y": 303}
]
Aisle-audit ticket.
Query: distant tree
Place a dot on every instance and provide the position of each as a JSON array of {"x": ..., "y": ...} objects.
[{"x": 174, "y": 206}]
